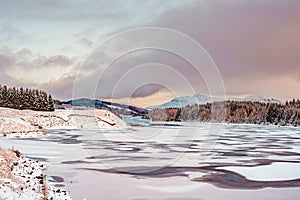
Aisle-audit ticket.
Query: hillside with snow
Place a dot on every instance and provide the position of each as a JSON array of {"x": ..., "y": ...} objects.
[
  {"x": 260, "y": 99},
  {"x": 180, "y": 102},
  {"x": 29, "y": 123},
  {"x": 201, "y": 99}
]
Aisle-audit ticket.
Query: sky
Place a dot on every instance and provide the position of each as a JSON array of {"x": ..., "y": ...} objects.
[{"x": 79, "y": 48}]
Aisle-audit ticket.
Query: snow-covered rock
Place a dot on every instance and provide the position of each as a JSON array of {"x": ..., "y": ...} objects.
[{"x": 22, "y": 178}]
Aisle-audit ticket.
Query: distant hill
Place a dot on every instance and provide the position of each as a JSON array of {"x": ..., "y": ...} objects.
[
  {"x": 83, "y": 102},
  {"x": 120, "y": 109},
  {"x": 259, "y": 99},
  {"x": 201, "y": 99},
  {"x": 180, "y": 102}
]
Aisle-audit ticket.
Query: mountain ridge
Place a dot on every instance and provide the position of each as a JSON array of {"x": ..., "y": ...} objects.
[
  {"x": 180, "y": 102},
  {"x": 120, "y": 109}
]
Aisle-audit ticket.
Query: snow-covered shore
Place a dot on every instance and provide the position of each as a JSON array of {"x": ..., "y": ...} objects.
[
  {"x": 24, "y": 123},
  {"x": 22, "y": 178}
]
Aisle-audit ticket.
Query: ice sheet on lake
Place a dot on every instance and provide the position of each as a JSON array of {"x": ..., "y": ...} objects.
[
  {"x": 274, "y": 172},
  {"x": 92, "y": 162}
]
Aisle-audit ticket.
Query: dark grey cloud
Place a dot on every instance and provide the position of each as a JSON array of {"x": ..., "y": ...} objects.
[{"x": 146, "y": 90}]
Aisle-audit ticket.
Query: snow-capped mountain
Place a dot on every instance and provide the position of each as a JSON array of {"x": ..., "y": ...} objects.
[
  {"x": 260, "y": 99},
  {"x": 180, "y": 102}
]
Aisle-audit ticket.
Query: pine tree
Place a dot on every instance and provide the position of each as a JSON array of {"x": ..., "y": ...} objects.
[
  {"x": 32, "y": 99},
  {"x": 50, "y": 103}
]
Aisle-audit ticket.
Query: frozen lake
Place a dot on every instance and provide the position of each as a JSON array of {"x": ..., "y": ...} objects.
[{"x": 186, "y": 161}]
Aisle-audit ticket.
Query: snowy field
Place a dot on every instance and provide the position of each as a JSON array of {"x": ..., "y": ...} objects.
[{"x": 186, "y": 161}]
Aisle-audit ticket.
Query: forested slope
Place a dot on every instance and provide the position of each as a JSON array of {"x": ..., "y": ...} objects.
[
  {"x": 234, "y": 112},
  {"x": 19, "y": 98}
]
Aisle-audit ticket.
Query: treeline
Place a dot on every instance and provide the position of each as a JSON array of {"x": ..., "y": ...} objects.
[
  {"x": 19, "y": 98},
  {"x": 234, "y": 112}
]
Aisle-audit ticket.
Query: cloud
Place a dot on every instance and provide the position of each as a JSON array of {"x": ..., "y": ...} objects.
[
  {"x": 24, "y": 67},
  {"x": 250, "y": 41},
  {"x": 246, "y": 36},
  {"x": 56, "y": 61},
  {"x": 136, "y": 74},
  {"x": 146, "y": 90},
  {"x": 61, "y": 88}
]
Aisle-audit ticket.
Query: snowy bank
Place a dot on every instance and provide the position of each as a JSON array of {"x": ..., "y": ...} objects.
[
  {"x": 22, "y": 123},
  {"x": 22, "y": 178}
]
